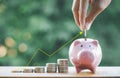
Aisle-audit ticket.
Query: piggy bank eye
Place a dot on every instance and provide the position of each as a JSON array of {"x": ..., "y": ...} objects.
[
  {"x": 81, "y": 45},
  {"x": 89, "y": 45}
]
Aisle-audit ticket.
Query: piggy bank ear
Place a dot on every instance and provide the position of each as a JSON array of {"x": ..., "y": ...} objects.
[
  {"x": 76, "y": 43},
  {"x": 95, "y": 42}
]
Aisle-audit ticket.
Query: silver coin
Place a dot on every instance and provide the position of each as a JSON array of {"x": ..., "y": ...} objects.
[
  {"x": 62, "y": 61},
  {"x": 62, "y": 65},
  {"x": 17, "y": 71},
  {"x": 51, "y": 70},
  {"x": 51, "y": 67},
  {"x": 28, "y": 71},
  {"x": 39, "y": 70},
  {"x": 51, "y": 64},
  {"x": 62, "y": 68},
  {"x": 63, "y": 71}
]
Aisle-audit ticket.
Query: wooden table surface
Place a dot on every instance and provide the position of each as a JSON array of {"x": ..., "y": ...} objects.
[{"x": 102, "y": 72}]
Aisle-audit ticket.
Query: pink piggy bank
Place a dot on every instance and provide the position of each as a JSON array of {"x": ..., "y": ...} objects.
[{"x": 85, "y": 54}]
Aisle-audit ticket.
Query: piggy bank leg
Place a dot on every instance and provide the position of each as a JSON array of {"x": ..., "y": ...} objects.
[
  {"x": 78, "y": 69},
  {"x": 93, "y": 69}
]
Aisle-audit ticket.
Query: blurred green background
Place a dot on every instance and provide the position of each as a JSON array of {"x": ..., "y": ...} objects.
[{"x": 26, "y": 25}]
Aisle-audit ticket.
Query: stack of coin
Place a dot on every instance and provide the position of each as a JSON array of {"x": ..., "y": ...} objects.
[
  {"x": 28, "y": 71},
  {"x": 51, "y": 67},
  {"x": 17, "y": 71},
  {"x": 40, "y": 69},
  {"x": 62, "y": 65}
]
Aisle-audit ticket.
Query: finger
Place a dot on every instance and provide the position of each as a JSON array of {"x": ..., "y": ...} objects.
[
  {"x": 97, "y": 7},
  {"x": 90, "y": 1},
  {"x": 82, "y": 12},
  {"x": 101, "y": 4},
  {"x": 75, "y": 8},
  {"x": 91, "y": 17}
]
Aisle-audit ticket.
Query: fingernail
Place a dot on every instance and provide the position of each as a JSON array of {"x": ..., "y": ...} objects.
[
  {"x": 87, "y": 25},
  {"x": 81, "y": 28}
]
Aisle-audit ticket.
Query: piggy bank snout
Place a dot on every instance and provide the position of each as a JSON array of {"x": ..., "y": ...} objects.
[
  {"x": 85, "y": 53},
  {"x": 86, "y": 56}
]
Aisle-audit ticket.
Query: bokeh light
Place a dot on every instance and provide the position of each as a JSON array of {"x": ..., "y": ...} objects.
[
  {"x": 3, "y": 51},
  {"x": 10, "y": 42},
  {"x": 27, "y": 35},
  {"x": 22, "y": 47},
  {"x": 12, "y": 52}
]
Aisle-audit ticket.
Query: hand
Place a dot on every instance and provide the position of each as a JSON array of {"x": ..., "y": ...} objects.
[{"x": 80, "y": 7}]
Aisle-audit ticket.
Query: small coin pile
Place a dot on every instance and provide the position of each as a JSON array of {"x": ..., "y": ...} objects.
[
  {"x": 39, "y": 69},
  {"x": 51, "y": 67},
  {"x": 26, "y": 70},
  {"x": 17, "y": 71},
  {"x": 62, "y": 65}
]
